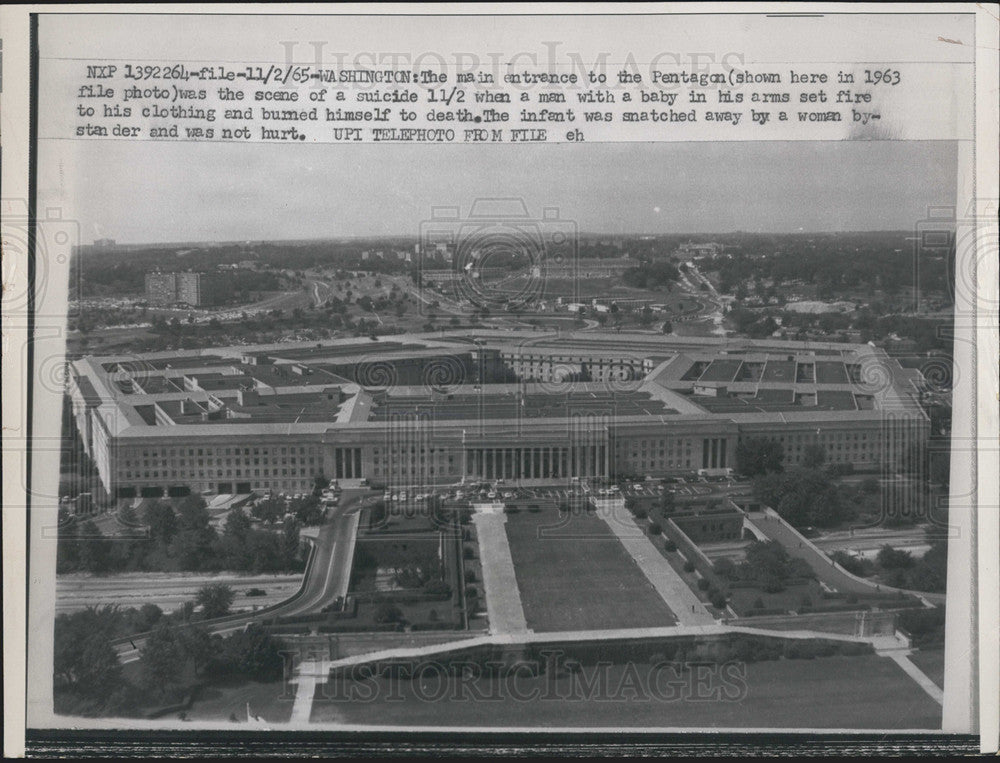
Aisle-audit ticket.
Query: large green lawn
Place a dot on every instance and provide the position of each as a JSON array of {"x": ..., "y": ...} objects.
[
  {"x": 271, "y": 701},
  {"x": 574, "y": 574},
  {"x": 866, "y": 692},
  {"x": 931, "y": 662}
]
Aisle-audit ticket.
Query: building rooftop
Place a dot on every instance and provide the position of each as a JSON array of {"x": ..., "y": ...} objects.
[{"x": 303, "y": 387}]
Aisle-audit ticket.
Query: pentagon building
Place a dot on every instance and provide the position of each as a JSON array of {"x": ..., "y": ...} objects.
[{"x": 453, "y": 406}]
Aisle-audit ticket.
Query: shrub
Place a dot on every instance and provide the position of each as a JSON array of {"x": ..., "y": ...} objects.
[
  {"x": 655, "y": 528},
  {"x": 689, "y": 566},
  {"x": 703, "y": 584},
  {"x": 470, "y": 576},
  {"x": 471, "y": 592},
  {"x": 718, "y": 599},
  {"x": 640, "y": 513},
  {"x": 853, "y": 564},
  {"x": 926, "y": 626},
  {"x": 669, "y": 546},
  {"x": 388, "y": 613},
  {"x": 468, "y": 553},
  {"x": 255, "y": 592}
]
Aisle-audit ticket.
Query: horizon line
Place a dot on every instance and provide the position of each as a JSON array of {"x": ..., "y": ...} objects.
[{"x": 581, "y": 234}]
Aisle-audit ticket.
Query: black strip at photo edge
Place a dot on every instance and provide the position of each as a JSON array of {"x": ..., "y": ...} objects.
[{"x": 392, "y": 743}]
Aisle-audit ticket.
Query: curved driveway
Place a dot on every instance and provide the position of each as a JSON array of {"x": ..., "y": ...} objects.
[{"x": 327, "y": 577}]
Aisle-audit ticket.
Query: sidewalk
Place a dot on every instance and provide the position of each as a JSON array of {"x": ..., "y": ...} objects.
[
  {"x": 503, "y": 599},
  {"x": 305, "y": 689},
  {"x": 903, "y": 660},
  {"x": 683, "y": 602}
]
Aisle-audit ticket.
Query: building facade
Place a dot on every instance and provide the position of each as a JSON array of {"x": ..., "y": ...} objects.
[{"x": 192, "y": 289}]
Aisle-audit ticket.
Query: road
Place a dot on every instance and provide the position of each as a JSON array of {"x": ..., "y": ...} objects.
[
  {"x": 821, "y": 564},
  {"x": 913, "y": 539},
  {"x": 167, "y": 590},
  {"x": 328, "y": 576}
]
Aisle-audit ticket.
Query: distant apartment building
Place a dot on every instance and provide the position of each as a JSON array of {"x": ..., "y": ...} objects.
[
  {"x": 692, "y": 249},
  {"x": 194, "y": 289}
]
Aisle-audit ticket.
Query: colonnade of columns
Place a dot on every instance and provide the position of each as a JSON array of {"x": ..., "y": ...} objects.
[{"x": 541, "y": 462}]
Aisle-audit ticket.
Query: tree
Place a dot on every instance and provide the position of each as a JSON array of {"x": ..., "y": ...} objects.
[
  {"x": 150, "y": 615},
  {"x": 768, "y": 564},
  {"x": 95, "y": 549},
  {"x": 388, "y": 613},
  {"x": 320, "y": 483},
  {"x": 759, "y": 455},
  {"x": 724, "y": 568},
  {"x": 162, "y": 657},
  {"x": 307, "y": 510},
  {"x": 251, "y": 652},
  {"x": 890, "y": 558},
  {"x": 269, "y": 510},
  {"x": 803, "y": 497},
  {"x": 83, "y": 659},
  {"x": 667, "y": 327},
  {"x": 194, "y": 546},
  {"x": 237, "y": 525},
  {"x": 813, "y": 456},
  {"x": 214, "y": 599}
]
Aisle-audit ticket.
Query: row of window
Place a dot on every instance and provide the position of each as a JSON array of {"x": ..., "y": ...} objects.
[
  {"x": 202, "y": 474},
  {"x": 284, "y": 450}
]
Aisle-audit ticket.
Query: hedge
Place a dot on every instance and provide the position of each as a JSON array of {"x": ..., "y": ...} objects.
[
  {"x": 765, "y": 612},
  {"x": 400, "y": 597},
  {"x": 834, "y": 608}
]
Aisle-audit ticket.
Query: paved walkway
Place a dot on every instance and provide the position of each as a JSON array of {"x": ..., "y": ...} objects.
[
  {"x": 903, "y": 660},
  {"x": 503, "y": 599},
  {"x": 305, "y": 689},
  {"x": 683, "y": 602}
]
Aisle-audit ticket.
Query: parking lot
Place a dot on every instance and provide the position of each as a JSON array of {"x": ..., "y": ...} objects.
[{"x": 558, "y": 492}]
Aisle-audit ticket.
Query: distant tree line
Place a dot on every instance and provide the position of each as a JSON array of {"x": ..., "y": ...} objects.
[
  {"x": 873, "y": 261},
  {"x": 651, "y": 275},
  {"x": 174, "y": 540}
]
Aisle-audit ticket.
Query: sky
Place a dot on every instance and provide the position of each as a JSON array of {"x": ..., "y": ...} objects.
[{"x": 149, "y": 192}]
